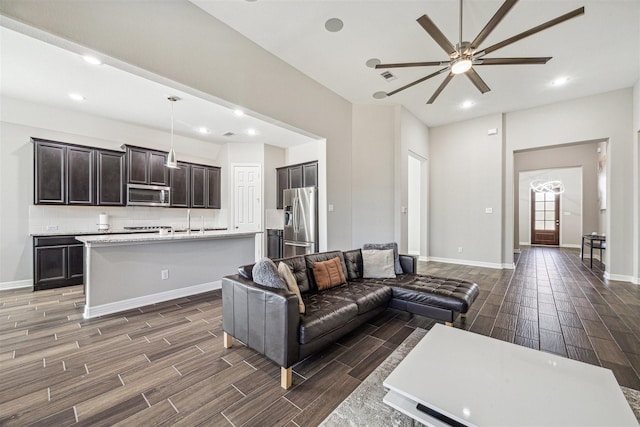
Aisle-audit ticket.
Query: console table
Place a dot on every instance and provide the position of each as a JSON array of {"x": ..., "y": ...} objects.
[
  {"x": 466, "y": 379},
  {"x": 594, "y": 241}
]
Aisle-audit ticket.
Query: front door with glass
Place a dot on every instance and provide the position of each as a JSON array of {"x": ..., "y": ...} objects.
[{"x": 545, "y": 218}]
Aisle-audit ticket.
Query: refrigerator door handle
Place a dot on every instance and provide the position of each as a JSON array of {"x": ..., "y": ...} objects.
[{"x": 299, "y": 245}]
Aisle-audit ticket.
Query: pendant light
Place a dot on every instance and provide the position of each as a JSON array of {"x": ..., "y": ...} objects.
[{"x": 171, "y": 158}]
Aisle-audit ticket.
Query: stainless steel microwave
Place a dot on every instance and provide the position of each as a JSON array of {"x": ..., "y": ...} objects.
[{"x": 148, "y": 195}]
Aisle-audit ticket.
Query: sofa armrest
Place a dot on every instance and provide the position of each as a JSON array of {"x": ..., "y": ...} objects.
[
  {"x": 265, "y": 319},
  {"x": 409, "y": 263}
]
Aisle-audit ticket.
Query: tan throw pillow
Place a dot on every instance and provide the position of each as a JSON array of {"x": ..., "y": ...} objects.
[
  {"x": 328, "y": 273},
  {"x": 287, "y": 275},
  {"x": 378, "y": 264}
]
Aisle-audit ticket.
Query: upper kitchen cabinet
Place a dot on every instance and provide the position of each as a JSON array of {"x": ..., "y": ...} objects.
[
  {"x": 64, "y": 174},
  {"x": 146, "y": 166},
  {"x": 295, "y": 176},
  {"x": 213, "y": 175},
  {"x": 110, "y": 178},
  {"x": 198, "y": 186},
  {"x": 180, "y": 185},
  {"x": 310, "y": 174}
]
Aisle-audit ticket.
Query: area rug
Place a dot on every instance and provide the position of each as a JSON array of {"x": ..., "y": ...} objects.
[{"x": 364, "y": 406}]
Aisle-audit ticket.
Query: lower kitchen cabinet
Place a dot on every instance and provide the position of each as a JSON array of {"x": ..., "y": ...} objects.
[
  {"x": 275, "y": 243},
  {"x": 57, "y": 261}
]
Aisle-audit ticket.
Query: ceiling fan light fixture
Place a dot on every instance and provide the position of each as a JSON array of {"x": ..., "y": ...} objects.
[{"x": 461, "y": 66}]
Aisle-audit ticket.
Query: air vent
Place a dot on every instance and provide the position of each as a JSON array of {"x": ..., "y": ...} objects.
[
  {"x": 388, "y": 76},
  {"x": 228, "y": 134}
]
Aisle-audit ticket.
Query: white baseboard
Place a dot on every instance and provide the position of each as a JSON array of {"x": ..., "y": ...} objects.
[
  {"x": 471, "y": 263},
  {"x": 114, "y": 307},
  {"x": 16, "y": 284},
  {"x": 621, "y": 278},
  {"x": 525, "y": 243},
  {"x": 571, "y": 245},
  {"x": 423, "y": 258}
]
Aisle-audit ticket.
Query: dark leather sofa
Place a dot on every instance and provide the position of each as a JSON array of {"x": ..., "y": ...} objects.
[{"x": 268, "y": 319}]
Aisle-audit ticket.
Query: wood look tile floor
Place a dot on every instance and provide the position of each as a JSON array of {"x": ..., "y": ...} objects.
[{"x": 165, "y": 364}]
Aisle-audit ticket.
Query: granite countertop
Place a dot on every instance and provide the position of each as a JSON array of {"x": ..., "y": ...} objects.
[
  {"x": 110, "y": 232},
  {"x": 126, "y": 239}
]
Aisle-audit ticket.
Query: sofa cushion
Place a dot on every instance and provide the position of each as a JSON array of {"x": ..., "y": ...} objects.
[
  {"x": 324, "y": 314},
  {"x": 328, "y": 274},
  {"x": 446, "y": 293},
  {"x": 298, "y": 267},
  {"x": 353, "y": 261},
  {"x": 392, "y": 245},
  {"x": 319, "y": 257},
  {"x": 367, "y": 296},
  {"x": 265, "y": 273},
  {"x": 378, "y": 263},
  {"x": 287, "y": 275}
]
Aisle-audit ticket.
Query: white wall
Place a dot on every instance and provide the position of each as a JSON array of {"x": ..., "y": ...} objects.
[
  {"x": 604, "y": 116},
  {"x": 636, "y": 180},
  {"x": 373, "y": 175},
  {"x": 248, "y": 76},
  {"x": 570, "y": 204},
  {"x": 22, "y": 120},
  {"x": 413, "y": 138},
  {"x": 466, "y": 179},
  {"x": 414, "y": 207}
]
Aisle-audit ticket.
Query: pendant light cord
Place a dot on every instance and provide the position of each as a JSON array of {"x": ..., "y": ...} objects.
[{"x": 460, "y": 45}]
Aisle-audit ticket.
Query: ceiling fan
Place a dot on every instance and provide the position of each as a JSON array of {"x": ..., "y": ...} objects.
[{"x": 465, "y": 55}]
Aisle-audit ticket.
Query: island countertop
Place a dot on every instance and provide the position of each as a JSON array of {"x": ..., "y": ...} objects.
[{"x": 147, "y": 238}]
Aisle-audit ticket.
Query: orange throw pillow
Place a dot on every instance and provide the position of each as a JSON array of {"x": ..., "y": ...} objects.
[{"x": 328, "y": 273}]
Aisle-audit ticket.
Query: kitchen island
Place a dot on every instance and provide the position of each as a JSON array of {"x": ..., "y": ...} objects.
[{"x": 127, "y": 271}]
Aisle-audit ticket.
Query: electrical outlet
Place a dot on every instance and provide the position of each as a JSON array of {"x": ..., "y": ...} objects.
[
  {"x": 52, "y": 228},
  {"x": 165, "y": 274},
  {"x": 459, "y": 249}
]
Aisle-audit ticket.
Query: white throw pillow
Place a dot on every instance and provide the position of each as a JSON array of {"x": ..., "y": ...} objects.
[
  {"x": 378, "y": 264},
  {"x": 287, "y": 275}
]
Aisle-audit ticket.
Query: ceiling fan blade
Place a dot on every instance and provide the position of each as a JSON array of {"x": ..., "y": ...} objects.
[
  {"x": 556, "y": 21},
  {"x": 413, "y": 64},
  {"x": 418, "y": 81},
  {"x": 436, "y": 34},
  {"x": 512, "y": 61},
  {"x": 493, "y": 22},
  {"x": 442, "y": 86},
  {"x": 477, "y": 81}
]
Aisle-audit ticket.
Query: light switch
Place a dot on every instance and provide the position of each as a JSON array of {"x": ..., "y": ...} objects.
[
  {"x": 330, "y": 207},
  {"x": 492, "y": 131},
  {"x": 403, "y": 209},
  {"x": 488, "y": 210}
]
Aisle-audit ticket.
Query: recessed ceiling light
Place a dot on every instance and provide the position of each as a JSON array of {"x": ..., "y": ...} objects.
[
  {"x": 560, "y": 81},
  {"x": 76, "y": 97},
  {"x": 203, "y": 130},
  {"x": 238, "y": 112},
  {"x": 380, "y": 95},
  {"x": 91, "y": 60},
  {"x": 371, "y": 63},
  {"x": 467, "y": 104},
  {"x": 252, "y": 132},
  {"x": 333, "y": 25}
]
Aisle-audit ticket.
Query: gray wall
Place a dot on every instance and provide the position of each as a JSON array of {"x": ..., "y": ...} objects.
[{"x": 583, "y": 156}]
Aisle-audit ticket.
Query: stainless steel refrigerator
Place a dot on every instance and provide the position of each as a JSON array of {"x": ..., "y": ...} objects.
[{"x": 300, "y": 221}]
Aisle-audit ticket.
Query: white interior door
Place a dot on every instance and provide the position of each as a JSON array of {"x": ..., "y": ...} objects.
[{"x": 247, "y": 197}]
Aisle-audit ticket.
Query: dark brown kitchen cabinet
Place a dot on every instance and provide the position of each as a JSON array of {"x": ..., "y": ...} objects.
[
  {"x": 310, "y": 175},
  {"x": 57, "y": 261},
  {"x": 64, "y": 173},
  {"x": 180, "y": 185},
  {"x": 198, "y": 186},
  {"x": 80, "y": 175},
  {"x": 295, "y": 176},
  {"x": 146, "y": 166},
  {"x": 50, "y": 176},
  {"x": 110, "y": 183},
  {"x": 282, "y": 183},
  {"x": 213, "y": 187}
]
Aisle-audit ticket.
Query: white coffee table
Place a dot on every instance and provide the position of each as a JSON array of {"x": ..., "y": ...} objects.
[{"x": 480, "y": 381}]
